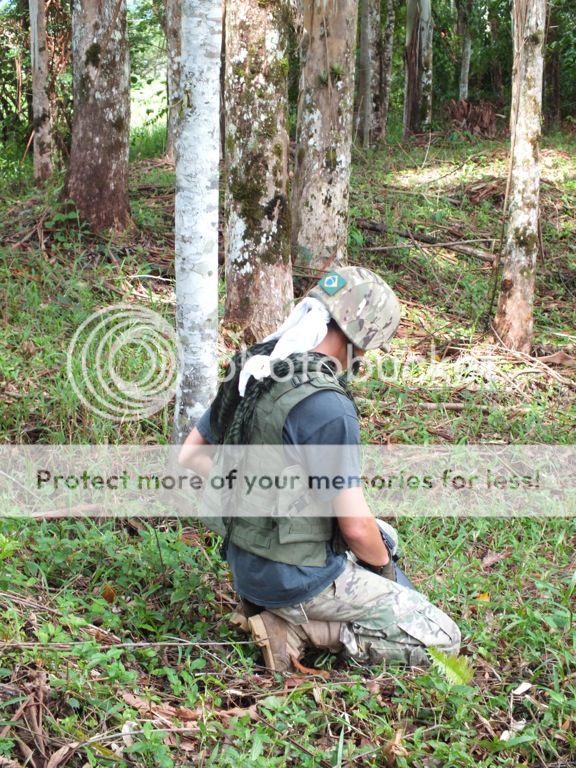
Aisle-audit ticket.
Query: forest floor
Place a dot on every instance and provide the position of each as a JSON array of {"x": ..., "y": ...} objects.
[{"x": 115, "y": 645}]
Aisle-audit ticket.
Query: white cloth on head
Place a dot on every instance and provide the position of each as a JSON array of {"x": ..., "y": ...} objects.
[{"x": 303, "y": 329}]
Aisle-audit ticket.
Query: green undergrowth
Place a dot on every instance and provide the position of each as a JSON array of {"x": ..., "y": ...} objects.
[{"x": 128, "y": 620}]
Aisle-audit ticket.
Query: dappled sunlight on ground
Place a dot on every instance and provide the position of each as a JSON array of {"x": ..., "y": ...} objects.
[{"x": 556, "y": 166}]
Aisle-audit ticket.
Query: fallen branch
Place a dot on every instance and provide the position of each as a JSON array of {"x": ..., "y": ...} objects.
[
  {"x": 70, "y": 646},
  {"x": 457, "y": 247},
  {"x": 449, "y": 244},
  {"x": 416, "y": 193},
  {"x": 5, "y": 762},
  {"x": 522, "y": 356},
  {"x": 458, "y": 407},
  {"x": 81, "y": 510},
  {"x": 453, "y": 407}
]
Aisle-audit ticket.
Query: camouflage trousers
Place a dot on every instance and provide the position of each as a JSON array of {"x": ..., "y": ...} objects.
[{"x": 380, "y": 620}]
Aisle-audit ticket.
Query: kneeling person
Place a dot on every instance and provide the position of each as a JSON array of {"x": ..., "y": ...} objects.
[{"x": 305, "y": 588}]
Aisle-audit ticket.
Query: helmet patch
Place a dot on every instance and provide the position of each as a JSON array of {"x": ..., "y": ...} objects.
[
  {"x": 362, "y": 304},
  {"x": 331, "y": 283}
]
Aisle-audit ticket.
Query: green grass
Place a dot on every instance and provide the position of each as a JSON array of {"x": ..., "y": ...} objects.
[
  {"x": 149, "y": 586},
  {"x": 148, "y": 140},
  {"x": 109, "y": 609}
]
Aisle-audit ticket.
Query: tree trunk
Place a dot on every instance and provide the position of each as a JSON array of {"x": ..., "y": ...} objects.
[
  {"x": 552, "y": 76},
  {"x": 412, "y": 83},
  {"x": 369, "y": 75},
  {"x": 514, "y": 316},
  {"x": 98, "y": 178},
  {"x": 173, "y": 24},
  {"x": 418, "y": 64},
  {"x": 386, "y": 64},
  {"x": 426, "y": 38},
  {"x": 196, "y": 215},
  {"x": 375, "y": 25},
  {"x": 324, "y": 134},
  {"x": 465, "y": 65},
  {"x": 259, "y": 290},
  {"x": 496, "y": 69},
  {"x": 364, "y": 74},
  {"x": 42, "y": 118},
  {"x": 464, "y": 11}
]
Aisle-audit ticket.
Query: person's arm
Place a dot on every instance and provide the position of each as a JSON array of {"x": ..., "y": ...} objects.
[
  {"x": 196, "y": 453},
  {"x": 329, "y": 419},
  {"x": 359, "y": 528}
]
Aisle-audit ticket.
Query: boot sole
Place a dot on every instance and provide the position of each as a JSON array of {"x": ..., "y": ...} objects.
[
  {"x": 240, "y": 622},
  {"x": 260, "y": 637}
]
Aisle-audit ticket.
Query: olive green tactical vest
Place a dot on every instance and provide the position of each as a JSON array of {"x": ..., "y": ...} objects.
[{"x": 293, "y": 527}]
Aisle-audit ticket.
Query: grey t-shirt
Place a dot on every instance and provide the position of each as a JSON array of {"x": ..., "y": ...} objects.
[{"x": 326, "y": 417}]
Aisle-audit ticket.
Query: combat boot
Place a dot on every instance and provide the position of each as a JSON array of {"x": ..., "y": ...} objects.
[
  {"x": 281, "y": 641},
  {"x": 241, "y": 614}
]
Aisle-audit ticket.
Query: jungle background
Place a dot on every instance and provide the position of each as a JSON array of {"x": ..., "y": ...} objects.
[{"x": 115, "y": 648}]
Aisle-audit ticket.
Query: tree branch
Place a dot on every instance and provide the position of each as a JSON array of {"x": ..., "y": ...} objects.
[{"x": 465, "y": 250}]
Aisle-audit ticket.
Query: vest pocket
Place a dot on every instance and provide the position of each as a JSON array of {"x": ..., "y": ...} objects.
[
  {"x": 255, "y": 534},
  {"x": 292, "y": 531}
]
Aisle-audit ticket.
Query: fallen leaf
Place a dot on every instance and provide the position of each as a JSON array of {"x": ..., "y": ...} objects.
[
  {"x": 62, "y": 755},
  {"x": 521, "y": 689},
  {"x": 559, "y": 358},
  {"x": 186, "y": 745},
  {"x": 309, "y": 670},
  {"x": 161, "y": 710},
  {"x": 240, "y": 712},
  {"x": 566, "y": 725},
  {"x": 495, "y": 557},
  {"x": 127, "y": 729},
  {"x": 184, "y": 713},
  {"x": 483, "y": 597},
  {"x": 394, "y": 749},
  {"x": 486, "y": 724},
  {"x": 102, "y": 635},
  {"x": 28, "y": 347},
  {"x": 190, "y": 537},
  {"x": 109, "y": 593},
  {"x": 5, "y": 762}
]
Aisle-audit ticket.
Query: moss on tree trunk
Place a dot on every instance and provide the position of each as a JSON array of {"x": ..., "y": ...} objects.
[
  {"x": 324, "y": 134},
  {"x": 257, "y": 229},
  {"x": 514, "y": 316},
  {"x": 98, "y": 174}
]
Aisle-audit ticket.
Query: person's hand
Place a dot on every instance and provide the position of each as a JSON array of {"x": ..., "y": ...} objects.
[
  {"x": 390, "y": 538},
  {"x": 387, "y": 571},
  {"x": 359, "y": 528}
]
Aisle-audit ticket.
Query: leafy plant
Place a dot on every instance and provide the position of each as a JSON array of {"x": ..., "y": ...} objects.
[{"x": 456, "y": 669}]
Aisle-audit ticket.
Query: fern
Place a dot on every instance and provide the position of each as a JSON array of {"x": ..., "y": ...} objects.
[{"x": 456, "y": 669}]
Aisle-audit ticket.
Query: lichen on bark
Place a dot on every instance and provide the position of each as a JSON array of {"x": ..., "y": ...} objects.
[
  {"x": 98, "y": 174},
  {"x": 41, "y": 107},
  {"x": 324, "y": 134},
  {"x": 196, "y": 212},
  {"x": 514, "y": 315},
  {"x": 257, "y": 217}
]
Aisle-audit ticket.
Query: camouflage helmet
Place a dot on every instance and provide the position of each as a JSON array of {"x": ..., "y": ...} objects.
[{"x": 361, "y": 303}]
